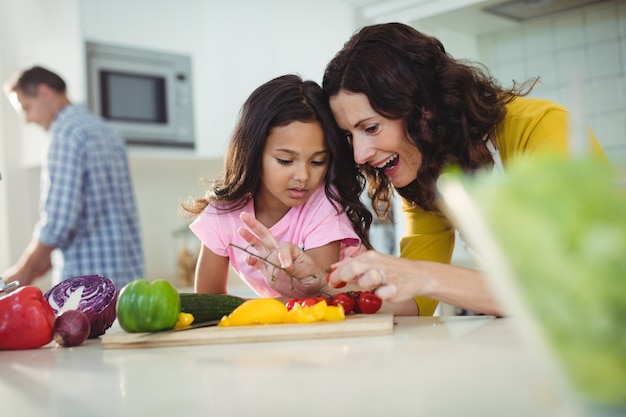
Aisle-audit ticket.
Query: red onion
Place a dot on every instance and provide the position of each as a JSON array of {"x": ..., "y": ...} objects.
[
  {"x": 71, "y": 328},
  {"x": 94, "y": 295}
]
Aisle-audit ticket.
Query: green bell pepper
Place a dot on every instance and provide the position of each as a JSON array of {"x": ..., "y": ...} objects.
[{"x": 147, "y": 307}]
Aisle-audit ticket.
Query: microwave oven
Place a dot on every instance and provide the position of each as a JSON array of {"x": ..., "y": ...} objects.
[{"x": 146, "y": 95}]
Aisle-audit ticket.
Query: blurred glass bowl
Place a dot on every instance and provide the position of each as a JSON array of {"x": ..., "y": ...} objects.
[{"x": 551, "y": 234}]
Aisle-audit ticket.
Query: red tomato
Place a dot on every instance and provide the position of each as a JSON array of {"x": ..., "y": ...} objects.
[
  {"x": 355, "y": 295},
  {"x": 311, "y": 301},
  {"x": 369, "y": 303},
  {"x": 345, "y": 300},
  {"x": 289, "y": 304}
]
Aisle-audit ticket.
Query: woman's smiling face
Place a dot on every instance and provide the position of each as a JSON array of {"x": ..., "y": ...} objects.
[{"x": 377, "y": 141}]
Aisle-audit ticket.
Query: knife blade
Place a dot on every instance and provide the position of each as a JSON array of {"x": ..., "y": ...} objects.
[
  {"x": 197, "y": 325},
  {"x": 190, "y": 327},
  {"x": 4, "y": 288}
]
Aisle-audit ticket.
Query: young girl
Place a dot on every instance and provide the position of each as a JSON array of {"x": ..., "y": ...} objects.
[{"x": 285, "y": 167}]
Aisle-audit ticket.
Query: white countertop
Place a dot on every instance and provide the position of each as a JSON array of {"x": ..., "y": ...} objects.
[{"x": 430, "y": 366}]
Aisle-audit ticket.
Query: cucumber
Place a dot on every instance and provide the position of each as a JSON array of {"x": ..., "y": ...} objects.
[{"x": 208, "y": 307}]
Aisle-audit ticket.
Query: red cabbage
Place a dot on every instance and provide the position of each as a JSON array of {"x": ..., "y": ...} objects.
[{"x": 94, "y": 295}]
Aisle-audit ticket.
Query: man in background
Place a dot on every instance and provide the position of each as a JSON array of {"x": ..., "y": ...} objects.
[{"x": 88, "y": 208}]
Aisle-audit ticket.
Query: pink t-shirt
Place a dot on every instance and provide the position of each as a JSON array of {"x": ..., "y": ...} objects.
[{"x": 311, "y": 225}]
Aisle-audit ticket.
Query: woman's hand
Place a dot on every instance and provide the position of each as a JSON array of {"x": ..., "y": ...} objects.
[
  {"x": 397, "y": 280},
  {"x": 393, "y": 279},
  {"x": 285, "y": 266}
]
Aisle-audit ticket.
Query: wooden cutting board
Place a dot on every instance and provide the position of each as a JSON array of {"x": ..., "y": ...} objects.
[{"x": 354, "y": 325}]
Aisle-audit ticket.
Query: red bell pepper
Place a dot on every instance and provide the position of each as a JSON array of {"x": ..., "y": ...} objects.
[{"x": 26, "y": 319}]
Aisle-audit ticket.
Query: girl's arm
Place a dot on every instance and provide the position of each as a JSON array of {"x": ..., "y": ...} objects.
[{"x": 211, "y": 273}]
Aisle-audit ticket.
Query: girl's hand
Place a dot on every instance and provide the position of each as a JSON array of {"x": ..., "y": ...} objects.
[
  {"x": 260, "y": 238},
  {"x": 301, "y": 279},
  {"x": 298, "y": 275}
]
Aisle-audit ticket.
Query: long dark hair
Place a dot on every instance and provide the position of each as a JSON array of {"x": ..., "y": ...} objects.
[
  {"x": 448, "y": 106},
  {"x": 278, "y": 102}
]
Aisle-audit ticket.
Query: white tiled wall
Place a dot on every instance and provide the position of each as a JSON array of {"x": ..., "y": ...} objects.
[{"x": 586, "y": 44}]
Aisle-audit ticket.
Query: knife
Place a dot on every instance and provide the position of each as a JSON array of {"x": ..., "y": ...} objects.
[
  {"x": 4, "y": 288},
  {"x": 190, "y": 327},
  {"x": 197, "y": 325}
]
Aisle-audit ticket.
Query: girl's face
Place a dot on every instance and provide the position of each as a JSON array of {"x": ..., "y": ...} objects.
[
  {"x": 382, "y": 143},
  {"x": 295, "y": 161}
]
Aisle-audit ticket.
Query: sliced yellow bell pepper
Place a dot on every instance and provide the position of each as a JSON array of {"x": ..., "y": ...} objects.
[
  {"x": 272, "y": 311},
  {"x": 335, "y": 313},
  {"x": 184, "y": 320},
  {"x": 256, "y": 311}
]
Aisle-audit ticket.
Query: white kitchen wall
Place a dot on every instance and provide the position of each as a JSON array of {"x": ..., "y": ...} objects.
[
  {"x": 31, "y": 32},
  {"x": 588, "y": 44},
  {"x": 235, "y": 46}
]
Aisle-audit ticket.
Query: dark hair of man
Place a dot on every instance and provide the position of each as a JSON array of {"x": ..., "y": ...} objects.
[
  {"x": 279, "y": 102},
  {"x": 448, "y": 106},
  {"x": 28, "y": 81}
]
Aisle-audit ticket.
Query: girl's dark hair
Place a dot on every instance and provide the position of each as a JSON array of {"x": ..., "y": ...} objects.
[
  {"x": 279, "y": 102},
  {"x": 448, "y": 106}
]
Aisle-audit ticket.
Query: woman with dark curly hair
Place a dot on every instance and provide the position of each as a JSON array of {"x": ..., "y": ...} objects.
[{"x": 409, "y": 110}]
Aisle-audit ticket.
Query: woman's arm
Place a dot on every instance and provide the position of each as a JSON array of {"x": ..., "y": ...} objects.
[
  {"x": 461, "y": 287},
  {"x": 312, "y": 265},
  {"x": 397, "y": 280}
]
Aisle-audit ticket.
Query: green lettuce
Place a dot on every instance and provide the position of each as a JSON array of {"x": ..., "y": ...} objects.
[{"x": 561, "y": 225}]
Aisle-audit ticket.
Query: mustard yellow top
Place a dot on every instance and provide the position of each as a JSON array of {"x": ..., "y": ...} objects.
[{"x": 531, "y": 126}]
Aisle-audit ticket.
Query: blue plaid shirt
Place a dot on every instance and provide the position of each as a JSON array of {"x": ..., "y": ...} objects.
[{"x": 88, "y": 206}]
